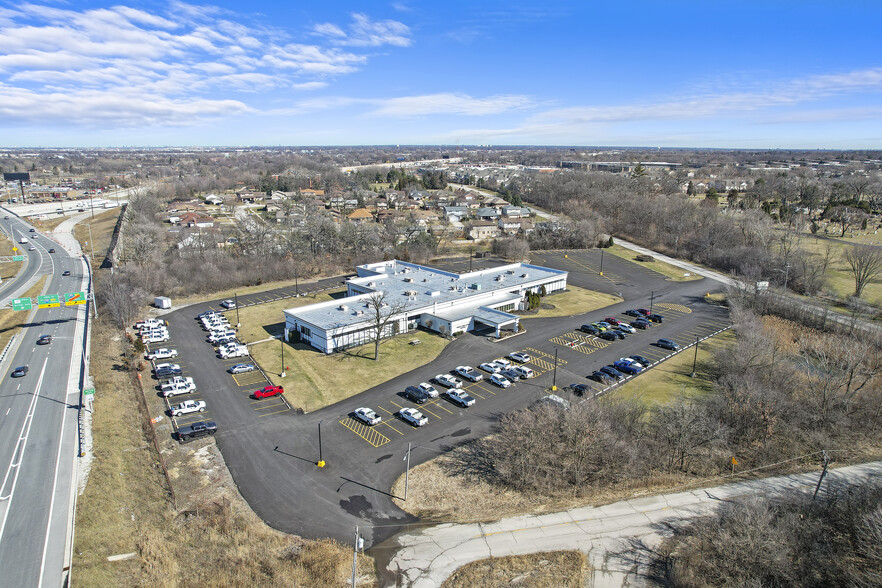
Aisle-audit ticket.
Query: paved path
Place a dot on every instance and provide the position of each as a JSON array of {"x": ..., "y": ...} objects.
[{"x": 428, "y": 556}]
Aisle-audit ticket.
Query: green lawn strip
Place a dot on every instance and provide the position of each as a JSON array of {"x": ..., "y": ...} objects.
[
  {"x": 671, "y": 378},
  {"x": 574, "y": 300},
  {"x": 314, "y": 379},
  {"x": 673, "y": 272}
]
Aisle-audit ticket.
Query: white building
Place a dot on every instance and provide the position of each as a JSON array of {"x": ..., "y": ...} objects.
[{"x": 438, "y": 300}]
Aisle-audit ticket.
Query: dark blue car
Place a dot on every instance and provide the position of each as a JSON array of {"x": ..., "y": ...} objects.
[
  {"x": 612, "y": 372},
  {"x": 628, "y": 368}
]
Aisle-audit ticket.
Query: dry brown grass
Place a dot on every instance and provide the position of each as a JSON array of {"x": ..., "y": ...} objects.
[
  {"x": 213, "y": 539},
  {"x": 552, "y": 569},
  {"x": 8, "y": 269},
  {"x": 11, "y": 321},
  {"x": 102, "y": 231}
]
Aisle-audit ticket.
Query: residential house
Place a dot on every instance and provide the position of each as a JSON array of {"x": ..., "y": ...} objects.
[
  {"x": 510, "y": 226},
  {"x": 194, "y": 219},
  {"x": 360, "y": 215},
  {"x": 488, "y": 214},
  {"x": 516, "y": 212},
  {"x": 483, "y": 230}
]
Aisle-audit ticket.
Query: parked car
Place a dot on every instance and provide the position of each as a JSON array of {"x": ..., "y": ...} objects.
[
  {"x": 553, "y": 400},
  {"x": 187, "y": 407},
  {"x": 178, "y": 385},
  {"x": 234, "y": 350},
  {"x": 612, "y": 320},
  {"x": 469, "y": 373},
  {"x": 607, "y": 336},
  {"x": 580, "y": 389},
  {"x": 520, "y": 357},
  {"x": 268, "y": 391},
  {"x": 644, "y": 311},
  {"x": 655, "y": 318},
  {"x": 502, "y": 362},
  {"x": 460, "y": 398},
  {"x": 602, "y": 377},
  {"x": 612, "y": 372},
  {"x": 228, "y": 304},
  {"x": 241, "y": 368},
  {"x": 511, "y": 375},
  {"x": 217, "y": 336},
  {"x": 44, "y": 340},
  {"x": 641, "y": 324},
  {"x": 448, "y": 381},
  {"x": 524, "y": 371},
  {"x": 413, "y": 416},
  {"x": 599, "y": 326},
  {"x": 618, "y": 333},
  {"x": 414, "y": 394},
  {"x": 150, "y": 339},
  {"x": 590, "y": 329},
  {"x": 167, "y": 370},
  {"x": 490, "y": 367},
  {"x": 368, "y": 416},
  {"x": 627, "y": 367},
  {"x": 196, "y": 430},
  {"x": 20, "y": 371},
  {"x": 667, "y": 344},
  {"x": 633, "y": 312},
  {"x": 149, "y": 323},
  {"x": 206, "y": 313},
  {"x": 603, "y": 325},
  {"x": 162, "y": 353},
  {"x": 642, "y": 360},
  {"x": 429, "y": 389},
  {"x": 500, "y": 380},
  {"x": 626, "y": 328}
]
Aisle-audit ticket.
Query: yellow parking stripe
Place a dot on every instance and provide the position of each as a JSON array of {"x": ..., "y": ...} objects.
[
  {"x": 286, "y": 409},
  {"x": 269, "y": 405},
  {"x": 424, "y": 409},
  {"x": 388, "y": 424},
  {"x": 675, "y": 307},
  {"x": 486, "y": 389},
  {"x": 369, "y": 434},
  {"x": 437, "y": 404},
  {"x": 548, "y": 355}
]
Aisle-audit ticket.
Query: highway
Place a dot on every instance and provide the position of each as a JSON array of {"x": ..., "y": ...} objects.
[{"x": 38, "y": 416}]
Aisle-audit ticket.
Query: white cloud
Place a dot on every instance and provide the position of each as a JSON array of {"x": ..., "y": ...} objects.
[
  {"x": 448, "y": 103},
  {"x": 309, "y": 86},
  {"x": 364, "y": 32}
]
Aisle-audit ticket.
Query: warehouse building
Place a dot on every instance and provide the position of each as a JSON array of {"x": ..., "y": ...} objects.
[{"x": 402, "y": 296}]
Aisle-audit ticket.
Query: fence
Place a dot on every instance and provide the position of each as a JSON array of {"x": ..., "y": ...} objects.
[{"x": 151, "y": 432}]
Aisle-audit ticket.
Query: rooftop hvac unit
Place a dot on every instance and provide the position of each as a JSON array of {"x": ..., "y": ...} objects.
[
  {"x": 342, "y": 307},
  {"x": 476, "y": 286},
  {"x": 433, "y": 293},
  {"x": 510, "y": 272},
  {"x": 500, "y": 277},
  {"x": 408, "y": 279},
  {"x": 524, "y": 275}
]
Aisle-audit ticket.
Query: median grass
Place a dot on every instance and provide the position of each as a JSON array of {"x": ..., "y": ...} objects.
[
  {"x": 8, "y": 269},
  {"x": 551, "y": 569},
  {"x": 11, "y": 321},
  {"x": 574, "y": 300},
  {"x": 314, "y": 379},
  {"x": 674, "y": 273},
  {"x": 671, "y": 379}
]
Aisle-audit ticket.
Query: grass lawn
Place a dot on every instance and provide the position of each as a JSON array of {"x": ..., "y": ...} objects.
[
  {"x": 574, "y": 301},
  {"x": 674, "y": 273},
  {"x": 10, "y": 268},
  {"x": 551, "y": 569},
  {"x": 670, "y": 379},
  {"x": 839, "y": 277},
  {"x": 314, "y": 379},
  {"x": 47, "y": 225}
]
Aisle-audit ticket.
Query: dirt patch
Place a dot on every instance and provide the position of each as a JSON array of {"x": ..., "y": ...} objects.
[{"x": 554, "y": 569}]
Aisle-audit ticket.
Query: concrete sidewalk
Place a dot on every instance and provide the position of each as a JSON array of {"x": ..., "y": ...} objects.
[{"x": 430, "y": 555}]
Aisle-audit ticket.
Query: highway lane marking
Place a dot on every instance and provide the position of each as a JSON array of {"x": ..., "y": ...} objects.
[{"x": 7, "y": 410}]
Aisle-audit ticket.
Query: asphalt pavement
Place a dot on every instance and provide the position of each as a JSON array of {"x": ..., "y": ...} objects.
[
  {"x": 38, "y": 418},
  {"x": 272, "y": 455}
]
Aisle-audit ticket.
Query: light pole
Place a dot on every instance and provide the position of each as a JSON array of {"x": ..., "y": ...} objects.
[
  {"x": 406, "y": 471},
  {"x": 554, "y": 375},
  {"x": 694, "y": 358},
  {"x": 471, "y": 252},
  {"x": 601, "y": 261},
  {"x": 321, "y": 461},
  {"x": 282, "y": 370},
  {"x": 651, "y": 298}
]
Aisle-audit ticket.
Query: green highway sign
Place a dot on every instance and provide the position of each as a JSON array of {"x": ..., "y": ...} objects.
[
  {"x": 74, "y": 298},
  {"x": 89, "y": 391},
  {"x": 18, "y": 258},
  {"x": 21, "y": 304},
  {"x": 48, "y": 301}
]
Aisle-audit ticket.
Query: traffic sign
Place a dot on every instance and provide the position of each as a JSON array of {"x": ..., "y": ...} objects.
[
  {"x": 18, "y": 258},
  {"x": 14, "y": 249},
  {"x": 21, "y": 304},
  {"x": 48, "y": 301},
  {"x": 74, "y": 298},
  {"x": 88, "y": 391}
]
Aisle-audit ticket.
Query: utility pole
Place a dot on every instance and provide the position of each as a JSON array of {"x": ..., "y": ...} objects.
[
  {"x": 239, "y": 324},
  {"x": 601, "y": 261},
  {"x": 321, "y": 461},
  {"x": 786, "y": 273},
  {"x": 406, "y": 471},
  {"x": 554, "y": 376},
  {"x": 471, "y": 253},
  {"x": 282, "y": 369},
  {"x": 91, "y": 244},
  {"x": 694, "y": 358},
  {"x": 651, "y": 298},
  {"x": 296, "y": 284},
  {"x": 354, "y": 555},
  {"x": 823, "y": 473}
]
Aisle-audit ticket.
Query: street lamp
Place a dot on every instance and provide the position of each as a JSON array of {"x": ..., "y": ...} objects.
[
  {"x": 282, "y": 341},
  {"x": 554, "y": 376},
  {"x": 406, "y": 471},
  {"x": 694, "y": 358},
  {"x": 239, "y": 324},
  {"x": 601, "y": 261},
  {"x": 321, "y": 461},
  {"x": 651, "y": 298}
]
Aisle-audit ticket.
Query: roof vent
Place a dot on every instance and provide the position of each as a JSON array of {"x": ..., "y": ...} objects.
[
  {"x": 408, "y": 279},
  {"x": 343, "y": 307},
  {"x": 524, "y": 275},
  {"x": 510, "y": 272},
  {"x": 434, "y": 293}
]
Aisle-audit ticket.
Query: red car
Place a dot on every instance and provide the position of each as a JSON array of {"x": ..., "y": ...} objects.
[
  {"x": 644, "y": 311},
  {"x": 612, "y": 320},
  {"x": 268, "y": 391}
]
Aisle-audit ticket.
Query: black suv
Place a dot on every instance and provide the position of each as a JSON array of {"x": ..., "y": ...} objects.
[
  {"x": 602, "y": 377},
  {"x": 590, "y": 329},
  {"x": 197, "y": 429},
  {"x": 612, "y": 372},
  {"x": 607, "y": 335},
  {"x": 415, "y": 394}
]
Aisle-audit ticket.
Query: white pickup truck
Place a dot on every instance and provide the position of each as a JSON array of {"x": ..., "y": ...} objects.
[
  {"x": 233, "y": 350},
  {"x": 178, "y": 385},
  {"x": 187, "y": 407},
  {"x": 163, "y": 353}
]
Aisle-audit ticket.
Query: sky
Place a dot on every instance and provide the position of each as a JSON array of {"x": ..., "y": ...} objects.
[{"x": 702, "y": 73}]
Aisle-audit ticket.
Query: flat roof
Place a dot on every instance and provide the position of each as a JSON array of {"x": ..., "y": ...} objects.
[{"x": 417, "y": 288}]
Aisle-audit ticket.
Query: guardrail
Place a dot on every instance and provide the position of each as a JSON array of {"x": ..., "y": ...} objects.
[{"x": 8, "y": 345}]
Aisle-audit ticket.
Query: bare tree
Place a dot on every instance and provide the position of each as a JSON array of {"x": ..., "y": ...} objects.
[
  {"x": 865, "y": 262},
  {"x": 384, "y": 313}
]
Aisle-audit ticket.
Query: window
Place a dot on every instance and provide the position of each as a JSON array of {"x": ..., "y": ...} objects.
[{"x": 305, "y": 331}]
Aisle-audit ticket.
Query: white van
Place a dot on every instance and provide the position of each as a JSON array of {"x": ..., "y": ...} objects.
[{"x": 23, "y": 240}]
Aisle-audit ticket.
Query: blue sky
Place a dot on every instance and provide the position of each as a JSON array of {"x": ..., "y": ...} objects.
[{"x": 693, "y": 74}]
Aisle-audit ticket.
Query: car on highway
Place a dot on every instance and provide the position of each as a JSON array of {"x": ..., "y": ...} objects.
[
  {"x": 469, "y": 373},
  {"x": 667, "y": 344},
  {"x": 187, "y": 407},
  {"x": 448, "y": 381},
  {"x": 626, "y": 328},
  {"x": 267, "y": 392},
  {"x": 655, "y": 318},
  {"x": 44, "y": 340},
  {"x": 523, "y": 371},
  {"x": 414, "y": 394},
  {"x": 32, "y": 230},
  {"x": 428, "y": 389},
  {"x": 162, "y": 353},
  {"x": 500, "y": 380},
  {"x": 612, "y": 320},
  {"x": 65, "y": 273},
  {"x": 20, "y": 371},
  {"x": 178, "y": 385},
  {"x": 196, "y": 430},
  {"x": 520, "y": 356},
  {"x": 52, "y": 250},
  {"x": 645, "y": 362},
  {"x": 612, "y": 372},
  {"x": 241, "y": 368},
  {"x": 367, "y": 416},
  {"x": 627, "y": 367},
  {"x": 461, "y": 398},
  {"x": 607, "y": 336},
  {"x": 590, "y": 329},
  {"x": 633, "y": 312},
  {"x": 228, "y": 304},
  {"x": 413, "y": 416},
  {"x": 32, "y": 248},
  {"x": 167, "y": 370},
  {"x": 602, "y": 377},
  {"x": 641, "y": 324},
  {"x": 491, "y": 367}
]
